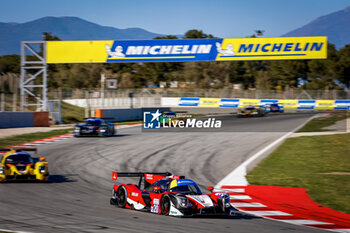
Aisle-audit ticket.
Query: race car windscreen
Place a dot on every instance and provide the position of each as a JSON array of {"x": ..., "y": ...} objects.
[
  {"x": 94, "y": 122},
  {"x": 163, "y": 184},
  {"x": 14, "y": 159},
  {"x": 187, "y": 189}
]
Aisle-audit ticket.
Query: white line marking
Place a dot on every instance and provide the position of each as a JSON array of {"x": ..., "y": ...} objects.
[
  {"x": 234, "y": 190},
  {"x": 127, "y": 126},
  {"x": 247, "y": 204},
  {"x": 305, "y": 222},
  {"x": 14, "y": 231},
  {"x": 267, "y": 213},
  {"x": 240, "y": 197}
]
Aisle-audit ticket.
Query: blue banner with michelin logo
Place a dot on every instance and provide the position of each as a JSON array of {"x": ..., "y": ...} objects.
[
  {"x": 189, "y": 101},
  {"x": 227, "y": 49},
  {"x": 163, "y": 50}
]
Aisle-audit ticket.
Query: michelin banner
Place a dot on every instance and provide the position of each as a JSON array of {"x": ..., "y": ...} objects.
[
  {"x": 280, "y": 48},
  {"x": 241, "y": 103}
]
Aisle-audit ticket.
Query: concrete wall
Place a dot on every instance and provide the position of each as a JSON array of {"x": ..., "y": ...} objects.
[
  {"x": 41, "y": 119},
  {"x": 170, "y": 101},
  {"x": 131, "y": 114},
  {"x": 16, "y": 119},
  {"x": 127, "y": 114},
  {"x": 24, "y": 119},
  {"x": 120, "y": 102}
]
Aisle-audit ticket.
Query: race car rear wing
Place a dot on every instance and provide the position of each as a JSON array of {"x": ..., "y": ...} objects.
[
  {"x": 149, "y": 177},
  {"x": 18, "y": 149}
]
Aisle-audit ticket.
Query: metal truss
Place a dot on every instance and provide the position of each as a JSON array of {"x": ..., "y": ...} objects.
[{"x": 33, "y": 75}]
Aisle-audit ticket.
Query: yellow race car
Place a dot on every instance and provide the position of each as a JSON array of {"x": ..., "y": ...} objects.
[
  {"x": 251, "y": 111},
  {"x": 17, "y": 164}
]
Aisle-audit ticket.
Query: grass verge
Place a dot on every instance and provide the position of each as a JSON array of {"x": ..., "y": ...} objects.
[
  {"x": 318, "y": 124},
  {"x": 127, "y": 122},
  {"x": 321, "y": 164},
  {"x": 24, "y": 138},
  {"x": 72, "y": 113}
]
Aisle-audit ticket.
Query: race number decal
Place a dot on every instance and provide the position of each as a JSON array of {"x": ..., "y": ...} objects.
[{"x": 155, "y": 206}]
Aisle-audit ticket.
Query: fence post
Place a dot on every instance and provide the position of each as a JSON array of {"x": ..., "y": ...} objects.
[
  {"x": 2, "y": 102},
  {"x": 14, "y": 102},
  {"x": 87, "y": 104}
]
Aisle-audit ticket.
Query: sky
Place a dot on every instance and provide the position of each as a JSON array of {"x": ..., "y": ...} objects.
[{"x": 221, "y": 18}]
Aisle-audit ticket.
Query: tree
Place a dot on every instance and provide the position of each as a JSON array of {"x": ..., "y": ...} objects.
[
  {"x": 323, "y": 72},
  {"x": 342, "y": 67},
  {"x": 10, "y": 64},
  {"x": 165, "y": 37},
  {"x": 197, "y": 34},
  {"x": 286, "y": 74},
  {"x": 47, "y": 36}
]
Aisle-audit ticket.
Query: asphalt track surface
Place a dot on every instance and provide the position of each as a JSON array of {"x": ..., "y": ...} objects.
[{"x": 77, "y": 198}]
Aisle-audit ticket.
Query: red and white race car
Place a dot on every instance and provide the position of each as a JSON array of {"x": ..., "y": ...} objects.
[{"x": 168, "y": 195}]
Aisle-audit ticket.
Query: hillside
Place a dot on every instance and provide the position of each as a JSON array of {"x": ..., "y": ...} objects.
[
  {"x": 66, "y": 28},
  {"x": 334, "y": 25}
]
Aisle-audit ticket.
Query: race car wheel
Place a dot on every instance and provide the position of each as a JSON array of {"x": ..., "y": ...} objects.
[
  {"x": 121, "y": 197},
  {"x": 165, "y": 205}
]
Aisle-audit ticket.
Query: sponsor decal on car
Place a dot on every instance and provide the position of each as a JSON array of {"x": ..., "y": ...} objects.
[{"x": 155, "y": 206}]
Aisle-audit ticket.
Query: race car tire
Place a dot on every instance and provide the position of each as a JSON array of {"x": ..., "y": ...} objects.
[
  {"x": 121, "y": 197},
  {"x": 165, "y": 205}
]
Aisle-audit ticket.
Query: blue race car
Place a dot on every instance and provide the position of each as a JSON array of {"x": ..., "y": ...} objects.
[
  {"x": 94, "y": 127},
  {"x": 276, "y": 108}
]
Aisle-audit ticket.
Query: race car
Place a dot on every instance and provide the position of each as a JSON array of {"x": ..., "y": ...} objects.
[
  {"x": 94, "y": 127},
  {"x": 165, "y": 194},
  {"x": 18, "y": 164},
  {"x": 266, "y": 107},
  {"x": 276, "y": 108},
  {"x": 251, "y": 111}
]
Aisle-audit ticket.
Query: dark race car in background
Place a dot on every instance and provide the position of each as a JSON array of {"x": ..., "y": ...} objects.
[
  {"x": 168, "y": 195},
  {"x": 94, "y": 127}
]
